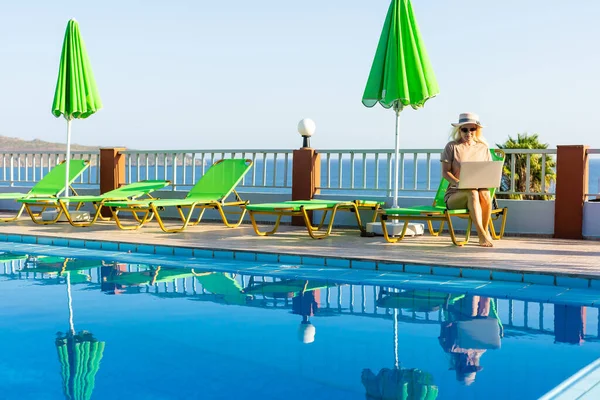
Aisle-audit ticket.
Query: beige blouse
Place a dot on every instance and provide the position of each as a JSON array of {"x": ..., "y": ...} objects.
[{"x": 457, "y": 152}]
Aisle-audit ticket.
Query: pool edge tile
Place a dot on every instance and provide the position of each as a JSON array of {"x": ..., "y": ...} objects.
[
  {"x": 244, "y": 255},
  {"x": 505, "y": 276},
  {"x": 223, "y": 254},
  {"x": 203, "y": 253},
  {"x": 418, "y": 269},
  {"x": 313, "y": 260},
  {"x": 567, "y": 281},
  {"x": 267, "y": 257},
  {"x": 365, "y": 265},
  {"x": 453, "y": 272}
]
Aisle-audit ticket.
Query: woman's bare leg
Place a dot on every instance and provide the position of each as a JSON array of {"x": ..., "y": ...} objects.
[
  {"x": 475, "y": 211},
  {"x": 470, "y": 200},
  {"x": 486, "y": 209}
]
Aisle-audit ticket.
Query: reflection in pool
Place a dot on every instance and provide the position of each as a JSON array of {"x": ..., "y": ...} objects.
[{"x": 128, "y": 331}]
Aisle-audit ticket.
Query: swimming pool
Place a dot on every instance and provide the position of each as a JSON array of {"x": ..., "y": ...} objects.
[{"x": 158, "y": 327}]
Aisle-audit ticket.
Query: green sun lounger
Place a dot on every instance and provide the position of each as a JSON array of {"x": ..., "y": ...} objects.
[
  {"x": 50, "y": 185},
  {"x": 438, "y": 212},
  {"x": 211, "y": 191},
  {"x": 301, "y": 208},
  {"x": 61, "y": 204}
]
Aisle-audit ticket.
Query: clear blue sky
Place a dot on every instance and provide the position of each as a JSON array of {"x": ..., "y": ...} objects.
[{"x": 241, "y": 74}]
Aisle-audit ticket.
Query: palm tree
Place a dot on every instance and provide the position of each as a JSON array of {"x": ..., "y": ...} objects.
[{"x": 526, "y": 141}]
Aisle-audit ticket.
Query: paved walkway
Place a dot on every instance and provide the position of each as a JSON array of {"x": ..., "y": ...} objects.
[{"x": 512, "y": 253}]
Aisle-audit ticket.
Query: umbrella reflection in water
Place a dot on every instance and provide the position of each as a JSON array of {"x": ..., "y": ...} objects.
[
  {"x": 79, "y": 354},
  {"x": 398, "y": 383}
]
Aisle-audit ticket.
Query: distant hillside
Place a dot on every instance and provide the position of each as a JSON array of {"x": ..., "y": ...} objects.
[
  {"x": 8, "y": 144},
  {"x": 20, "y": 145}
]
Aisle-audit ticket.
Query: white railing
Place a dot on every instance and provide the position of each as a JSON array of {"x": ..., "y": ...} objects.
[
  {"x": 513, "y": 155},
  {"x": 357, "y": 172},
  {"x": 371, "y": 171},
  {"x": 594, "y": 174},
  {"x": 26, "y": 168},
  {"x": 271, "y": 169}
]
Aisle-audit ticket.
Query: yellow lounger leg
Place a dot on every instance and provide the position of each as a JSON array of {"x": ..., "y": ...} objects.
[
  {"x": 16, "y": 216},
  {"x": 141, "y": 221},
  {"x": 264, "y": 233},
  {"x": 309, "y": 226},
  {"x": 37, "y": 217},
  {"x": 226, "y": 221},
  {"x": 386, "y": 235},
  {"x": 453, "y": 235},
  {"x": 498, "y": 236}
]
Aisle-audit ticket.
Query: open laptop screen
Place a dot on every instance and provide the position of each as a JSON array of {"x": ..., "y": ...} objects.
[{"x": 480, "y": 174}]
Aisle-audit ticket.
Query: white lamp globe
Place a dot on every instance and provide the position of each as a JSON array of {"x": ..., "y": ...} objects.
[{"x": 306, "y": 127}]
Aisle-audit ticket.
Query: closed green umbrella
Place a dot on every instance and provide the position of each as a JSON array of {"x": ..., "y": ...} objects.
[
  {"x": 76, "y": 95},
  {"x": 401, "y": 74}
]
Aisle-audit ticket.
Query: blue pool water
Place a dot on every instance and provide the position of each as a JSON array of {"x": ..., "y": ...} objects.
[{"x": 142, "y": 330}]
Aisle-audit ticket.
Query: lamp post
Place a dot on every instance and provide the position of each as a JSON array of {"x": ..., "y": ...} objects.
[
  {"x": 306, "y": 169},
  {"x": 306, "y": 128}
]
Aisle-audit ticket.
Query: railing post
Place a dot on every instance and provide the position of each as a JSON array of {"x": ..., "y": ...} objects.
[
  {"x": 112, "y": 171},
  {"x": 306, "y": 177},
  {"x": 571, "y": 187}
]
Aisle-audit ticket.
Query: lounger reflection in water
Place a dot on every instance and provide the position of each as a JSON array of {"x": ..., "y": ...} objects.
[
  {"x": 60, "y": 266},
  {"x": 302, "y": 208},
  {"x": 220, "y": 284},
  {"x": 115, "y": 278},
  {"x": 224, "y": 287},
  {"x": 416, "y": 300}
]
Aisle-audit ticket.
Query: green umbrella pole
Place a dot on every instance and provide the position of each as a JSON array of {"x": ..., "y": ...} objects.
[
  {"x": 397, "y": 109},
  {"x": 68, "y": 155}
]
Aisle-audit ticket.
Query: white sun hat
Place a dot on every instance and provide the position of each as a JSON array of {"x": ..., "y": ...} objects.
[{"x": 467, "y": 118}]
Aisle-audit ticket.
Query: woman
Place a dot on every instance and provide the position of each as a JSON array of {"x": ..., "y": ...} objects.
[{"x": 468, "y": 144}]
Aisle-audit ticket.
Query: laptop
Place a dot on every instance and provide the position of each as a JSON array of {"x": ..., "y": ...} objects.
[{"x": 480, "y": 174}]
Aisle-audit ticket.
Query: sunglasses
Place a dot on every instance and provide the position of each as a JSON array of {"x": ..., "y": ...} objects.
[{"x": 465, "y": 130}]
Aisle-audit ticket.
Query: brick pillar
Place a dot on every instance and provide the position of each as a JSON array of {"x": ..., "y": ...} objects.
[
  {"x": 571, "y": 187},
  {"x": 112, "y": 171},
  {"x": 306, "y": 177}
]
